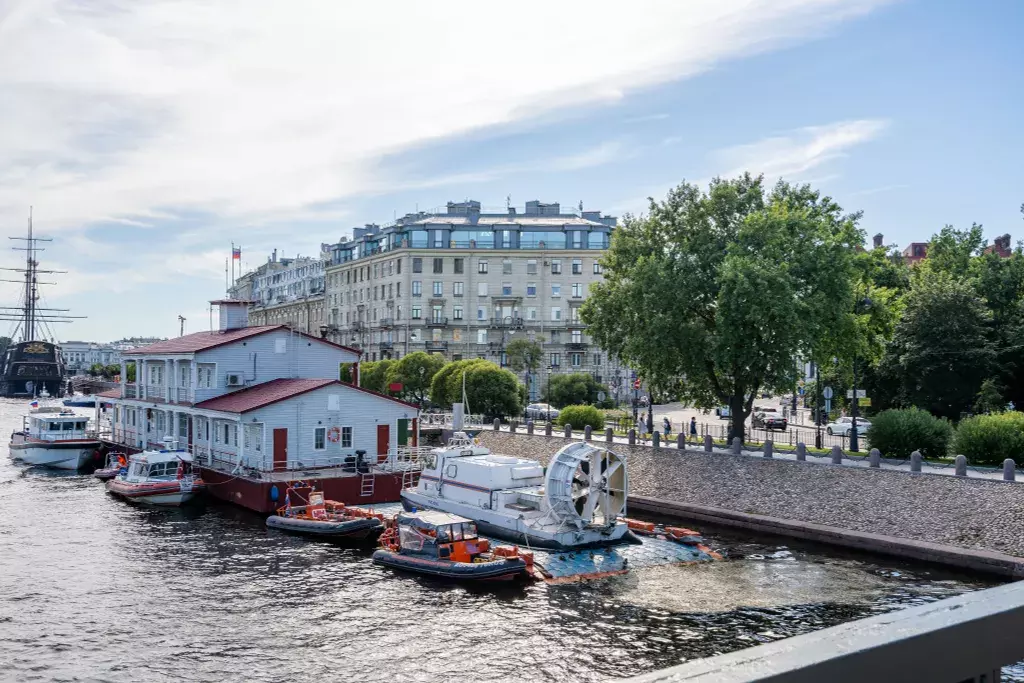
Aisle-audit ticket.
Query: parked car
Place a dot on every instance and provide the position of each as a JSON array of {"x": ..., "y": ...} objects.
[
  {"x": 643, "y": 401},
  {"x": 843, "y": 425},
  {"x": 723, "y": 412},
  {"x": 768, "y": 417},
  {"x": 541, "y": 411}
]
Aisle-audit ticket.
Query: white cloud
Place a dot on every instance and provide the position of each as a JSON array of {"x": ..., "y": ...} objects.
[
  {"x": 796, "y": 152},
  {"x": 246, "y": 108}
]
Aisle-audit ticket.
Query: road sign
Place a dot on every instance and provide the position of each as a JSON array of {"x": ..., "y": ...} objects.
[
  {"x": 636, "y": 384},
  {"x": 600, "y": 396},
  {"x": 864, "y": 402},
  {"x": 800, "y": 384},
  {"x": 828, "y": 405},
  {"x": 827, "y": 393},
  {"x": 800, "y": 390},
  {"x": 861, "y": 393}
]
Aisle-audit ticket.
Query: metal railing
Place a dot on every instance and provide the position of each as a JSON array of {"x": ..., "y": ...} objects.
[{"x": 183, "y": 394}]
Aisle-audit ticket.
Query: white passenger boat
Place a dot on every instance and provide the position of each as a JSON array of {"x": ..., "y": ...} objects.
[
  {"x": 162, "y": 477},
  {"x": 579, "y": 502},
  {"x": 54, "y": 437}
]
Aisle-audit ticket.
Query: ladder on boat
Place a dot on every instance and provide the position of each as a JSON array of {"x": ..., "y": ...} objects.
[{"x": 366, "y": 484}]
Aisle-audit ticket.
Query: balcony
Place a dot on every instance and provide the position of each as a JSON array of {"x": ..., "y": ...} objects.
[
  {"x": 509, "y": 322},
  {"x": 386, "y": 323},
  {"x": 576, "y": 323},
  {"x": 577, "y": 345},
  {"x": 386, "y": 345},
  {"x": 357, "y": 326},
  {"x": 437, "y": 345},
  {"x": 437, "y": 322}
]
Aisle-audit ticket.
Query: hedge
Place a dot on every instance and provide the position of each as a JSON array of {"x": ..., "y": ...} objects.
[
  {"x": 898, "y": 433},
  {"x": 580, "y": 416},
  {"x": 991, "y": 439}
]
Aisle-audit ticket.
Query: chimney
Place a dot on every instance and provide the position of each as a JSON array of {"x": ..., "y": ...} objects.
[
  {"x": 232, "y": 314},
  {"x": 274, "y": 257},
  {"x": 877, "y": 240}
]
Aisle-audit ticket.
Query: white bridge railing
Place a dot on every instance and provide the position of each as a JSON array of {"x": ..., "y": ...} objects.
[{"x": 446, "y": 419}]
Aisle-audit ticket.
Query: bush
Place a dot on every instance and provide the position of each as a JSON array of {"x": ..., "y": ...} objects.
[
  {"x": 898, "y": 433},
  {"x": 990, "y": 439},
  {"x": 580, "y": 416}
]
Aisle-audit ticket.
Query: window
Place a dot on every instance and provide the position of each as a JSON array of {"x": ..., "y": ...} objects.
[
  {"x": 481, "y": 266},
  {"x": 481, "y": 289},
  {"x": 437, "y": 314},
  {"x": 458, "y": 288},
  {"x": 531, "y": 313},
  {"x": 346, "y": 437},
  {"x": 597, "y": 240},
  {"x": 391, "y": 267},
  {"x": 155, "y": 376},
  {"x": 415, "y": 312},
  {"x": 556, "y": 291},
  {"x": 577, "y": 266},
  {"x": 438, "y": 288},
  {"x": 531, "y": 289},
  {"x": 506, "y": 289},
  {"x": 398, "y": 265},
  {"x": 227, "y": 435},
  {"x": 481, "y": 336},
  {"x": 185, "y": 379},
  {"x": 457, "y": 313},
  {"x": 598, "y": 268},
  {"x": 597, "y": 359},
  {"x": 457, "y": 265},
  {"x": 319, "y": 438},
  {"x": 556, "y": 313},
  {"x": 577, "y": 290},
  {"x": 481, "y": 313},
  {"x": 506, "y": 266},
  {"x": 438, "y": 240},
  {"x": 417, "y": 265},
  {"x": 556, "y": 266},
  {"x": 205, "y": 378},
  {"x": 376, "y": 271},
  {"x": 531, "y": 266},
  {"x": 556, "y": 360},
  {"x": 576, "y": 359},
  {"x": 417, "y": 288},
  {"x": 439, "y": 265},
  {"x": 398, "y": 289},
  {"x": 577, "y": 336}
]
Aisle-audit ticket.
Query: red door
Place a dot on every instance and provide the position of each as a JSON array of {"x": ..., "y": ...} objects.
[
  {"x": 383, "y": 437},
  {"x": 280, "y": 449}
]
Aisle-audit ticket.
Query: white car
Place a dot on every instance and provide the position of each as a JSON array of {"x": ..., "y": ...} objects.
[
  {"x": 843, "y": 425},
  {"x": 541, "y": 411}
]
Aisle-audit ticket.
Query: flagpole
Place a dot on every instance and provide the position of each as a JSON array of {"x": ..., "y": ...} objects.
[
  {"x": 226, "y": 285},
  {"x": 232, "y": 264}
]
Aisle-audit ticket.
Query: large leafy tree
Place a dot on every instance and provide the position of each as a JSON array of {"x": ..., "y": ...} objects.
[
  {"x": 490, "y": 390},
  {"x": 415, "y": 372},
  {"x": 573, "y": 389},
  {"x": 525, "y": 356},
  {"x": 373, "y": 374},
  {"x": 726, "y": 288}
]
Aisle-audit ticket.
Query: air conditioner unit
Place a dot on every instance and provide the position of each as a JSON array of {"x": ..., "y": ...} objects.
[{"x": 235, "y": 380}]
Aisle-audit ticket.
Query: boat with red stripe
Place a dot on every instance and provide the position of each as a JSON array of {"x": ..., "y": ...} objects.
[{"x": 163, "y": 477}]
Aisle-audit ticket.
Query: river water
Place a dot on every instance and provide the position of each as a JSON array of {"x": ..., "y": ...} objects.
[{"x": 92, "y": 588}]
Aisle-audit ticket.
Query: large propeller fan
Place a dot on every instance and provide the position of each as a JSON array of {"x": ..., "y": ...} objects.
[{"x": 587, "y": 485}]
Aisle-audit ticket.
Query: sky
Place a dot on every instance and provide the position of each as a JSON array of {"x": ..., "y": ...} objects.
[{"x": 150, "y": 135}]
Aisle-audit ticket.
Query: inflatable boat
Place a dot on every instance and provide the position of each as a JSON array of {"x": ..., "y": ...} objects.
[{"x": 323, "y": 518}]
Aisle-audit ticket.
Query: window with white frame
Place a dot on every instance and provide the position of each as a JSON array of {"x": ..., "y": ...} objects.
[
  {"x": 577, "y": 266},
  {"x": 531, "y": 266},
  {"x": 481, "y": 336},
  {"x": 438, "y": 288},
  {"x": 481, "y": 313},
  {"x": 556, "y": 313},
  {"x": 319, "y": 438},
  {"x": 506, "y": 289},
  {"x": 458, "y": 288},
  {"x": 481, "y": 266},
  {"x": 457, "y": 313},
  {"x": 576, "y": 359},
  {"x": 506, "y": 266},
  {"x": 417, "y": 288},
  {"x": 556, "y": 266},
  {"x": 205, "y": 379},
  {"x": 598, "y": 268},
  {"x": 346, "y": 437},
  {"x": 156, "y": 374},
  {"x": 577, "y": 290},
  {"x": 556, "y": 360},
  {"x": 481, "y": 289},
  {"x": 556, "y": 291},
  {"x": 531, "y": 313}
]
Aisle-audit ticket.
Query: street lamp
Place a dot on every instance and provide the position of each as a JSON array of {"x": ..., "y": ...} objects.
[{"x": 861, "y": 306}]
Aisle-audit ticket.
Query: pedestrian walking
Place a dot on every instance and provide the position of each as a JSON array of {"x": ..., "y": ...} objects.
[
  {"x": 667, "y": 424},
  {"x": 693, "y": 429},
  {"x": 642, "y": 426}
]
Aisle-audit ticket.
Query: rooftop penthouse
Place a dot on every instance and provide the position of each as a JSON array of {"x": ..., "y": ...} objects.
[{"x": 466, "y": 225}]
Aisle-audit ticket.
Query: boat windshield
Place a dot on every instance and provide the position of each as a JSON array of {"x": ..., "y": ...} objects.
[
  {"x": 411, "y": 538},
  {"x": 456, "y": 532}
]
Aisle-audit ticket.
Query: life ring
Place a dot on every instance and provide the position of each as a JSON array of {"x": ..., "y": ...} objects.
[{"x": 334, "y": 435}]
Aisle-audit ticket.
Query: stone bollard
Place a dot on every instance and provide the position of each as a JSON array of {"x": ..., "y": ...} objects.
[
  {"x": 875, "y": 458},
  {"x": 656, "y": 439},
  {"x": 1009, "y": 470},
  {"x": 768, "y": 447},
  {"x": 837, "y": 455},
  {"x": 587, "y": 432},
  {"x": 609, "y": 434},
  {"x": 915, "y": 461},
  {"x": 529, "y": 427},
  {"x": 961, "y": 465},
  {"x": 681, "y": 441},
  {"x": 568, "y": 431},
  {"x": 497, "y": 424},
  {"x": 801, "y": 451},
  {"x": 632, "y": 437},
  {"x": 737, "y": 445},
  {"x": 547, "y": 429},
  {"x": 512, "y": 427},
  {"x": 708, "y": 443}
]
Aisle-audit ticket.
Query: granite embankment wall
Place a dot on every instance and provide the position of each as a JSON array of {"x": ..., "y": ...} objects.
[{"x": 969, "y": 523}]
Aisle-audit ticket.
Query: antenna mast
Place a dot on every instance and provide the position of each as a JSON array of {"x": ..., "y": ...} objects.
[{"x": 181, "y": 319}]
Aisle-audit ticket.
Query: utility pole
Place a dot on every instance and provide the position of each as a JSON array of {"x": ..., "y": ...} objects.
[{"x": 181, "y": 332}]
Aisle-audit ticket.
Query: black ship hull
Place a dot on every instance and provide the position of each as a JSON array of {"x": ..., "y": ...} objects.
[{"x": 32, "y": 368}]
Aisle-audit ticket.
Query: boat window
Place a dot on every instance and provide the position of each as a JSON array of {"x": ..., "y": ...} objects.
[
  {"x": 69, "y": 426},
  {"x": 80, "y": 426},
  {"x": 456, "y": 532},
  {"x": 54, "y": 426},
  {"x": 410, "y": 538},
  {"x": 430, "y": 461},
  {"x": 468, "y": 530},
  {"x": 451, "y": 471}
]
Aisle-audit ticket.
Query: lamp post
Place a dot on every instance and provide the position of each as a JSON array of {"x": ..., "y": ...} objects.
[{"x": 861, "y": 306}]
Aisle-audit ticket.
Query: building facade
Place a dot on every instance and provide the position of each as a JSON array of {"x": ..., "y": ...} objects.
[
  {"x": 464, "y": 283},
  {"x": 79, "y": 356},
  {"x": 286, "y": 291}
]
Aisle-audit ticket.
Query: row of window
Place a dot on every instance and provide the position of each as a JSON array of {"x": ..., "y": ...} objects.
[
  {"x": 205, "y": 375},
  {"x": 320, "y": 438},
  {"x": 483, "y": 289},
  {"x": 394, "y": 267}
]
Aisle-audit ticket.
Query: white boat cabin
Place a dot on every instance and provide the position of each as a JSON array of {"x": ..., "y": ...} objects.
[
  {"x": 158, "y": 466},
  {"x": 54, "y": 424},
  {"x": 471, "y": 474}
]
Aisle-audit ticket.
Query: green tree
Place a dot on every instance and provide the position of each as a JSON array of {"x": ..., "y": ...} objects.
[
  {"x": 577, "y": 388},
  {"x": 990, "y": 398},
  {"x": 415, "y": 372},
  {"x": 525, "y": 356},
  {"x": 490, "y": 390},
  {"x": 726, "y": 288},
  {"x": 96, "y": 369},
  {"x": 373, "y": 374},
  {"x": 941, "y": 351},
  {"x": 951, "y": 250},
  {"x": 111, "y": 371}
]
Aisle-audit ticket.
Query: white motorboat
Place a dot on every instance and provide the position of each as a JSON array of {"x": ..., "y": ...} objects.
[
  {"x": 579, "y": 502},
  {"x": 54, "y": 437},
  {"x": 159, "y": 478}
]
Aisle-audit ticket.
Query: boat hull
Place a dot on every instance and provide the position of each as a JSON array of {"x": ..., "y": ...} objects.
[
  {"x": 106, "y": 474},
  {"x": 506, "y": 569},
  {"x": 358, "y": 528},
  {"x": 261, "y": 495},
  {"x": 170, "y": 493},
  {"x": 61, "y": 456},
  {"x": 510, "y": 529}
]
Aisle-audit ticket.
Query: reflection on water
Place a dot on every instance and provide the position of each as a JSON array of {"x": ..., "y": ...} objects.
[{"x": 91, "y": 587}]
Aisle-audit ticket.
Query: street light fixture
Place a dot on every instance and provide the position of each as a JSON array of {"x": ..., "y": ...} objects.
[{"x": 861, "y": 306}]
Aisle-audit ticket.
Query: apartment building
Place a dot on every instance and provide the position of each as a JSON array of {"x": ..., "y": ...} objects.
[
  {"x": 464, "y": 283},
  {"x": 286, "y": 291}
]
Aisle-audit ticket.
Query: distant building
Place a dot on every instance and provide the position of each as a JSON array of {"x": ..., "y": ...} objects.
[
  {"x": 1000, "y": 246},
  {"x": 916, "y": 252},
  {"x": 286, "y": 291},
  {"x": 877, "y": 240},
  {"x": 79, "y": 356}
]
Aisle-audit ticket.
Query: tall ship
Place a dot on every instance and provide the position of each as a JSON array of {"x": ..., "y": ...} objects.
[{"x": 32, "y": 365}]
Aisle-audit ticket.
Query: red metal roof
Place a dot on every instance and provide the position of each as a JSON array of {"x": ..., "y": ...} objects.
[
  {"x": 201, "y": 341},
  {"x": 263, "y": 394},
  {"x": 111, "y": 393}
]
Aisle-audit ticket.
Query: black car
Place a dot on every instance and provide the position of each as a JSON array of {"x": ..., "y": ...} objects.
[{"x": 768, "y": 418}]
